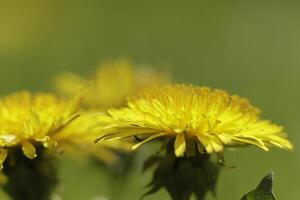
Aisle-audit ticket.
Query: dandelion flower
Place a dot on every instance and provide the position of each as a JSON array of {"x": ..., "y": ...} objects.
[
  {"x": 28, "y": 121},
  {"x": 193, "y": 117},
  {"x": 110, "y": 85},
  {"x": 77, "y": 140}
]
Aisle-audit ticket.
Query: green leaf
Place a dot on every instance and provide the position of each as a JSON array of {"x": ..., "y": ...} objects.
[{"x": 263, "y": 190}]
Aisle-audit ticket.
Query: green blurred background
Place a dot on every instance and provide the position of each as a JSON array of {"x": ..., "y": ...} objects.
[{"x": 246, "y": 47}]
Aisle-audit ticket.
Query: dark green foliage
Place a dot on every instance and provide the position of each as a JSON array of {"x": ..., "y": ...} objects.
[
  {"x": 263, "y": 190},
  {"x": 30, "y": 179},
  {"x": 183, "y": 176}
]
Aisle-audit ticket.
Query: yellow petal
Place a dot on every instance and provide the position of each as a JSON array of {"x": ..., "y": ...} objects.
[
  {"x": 7, "y": 138},
  {"x": 51, "y": 144},
  {"x": 147, "y": 140},
  {"x": 179, "y": 145},
  {"x": 47, "y": 142},
  {"x": 200, "y": 147},
  {"x": 204, "y": 140},
  {"x": 74, "y": 105},
  {"x": 28, "y": 150},
  {"x": 217, "y": 146},
  {"x": 3, "y": 155},
  {"x": 209, "y": 148},
  {"x": 226, "y": 139}
]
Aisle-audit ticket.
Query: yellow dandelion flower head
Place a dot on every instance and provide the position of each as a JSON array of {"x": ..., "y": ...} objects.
[
  {"x": 111, "y": 83},
  {"x": 195, "y": 117},
  {"x": 77, "y": 140},
  {"x": 28, "y": 120}
]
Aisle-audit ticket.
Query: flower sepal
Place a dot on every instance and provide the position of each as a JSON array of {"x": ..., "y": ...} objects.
[{"x": 183, "y": 176}]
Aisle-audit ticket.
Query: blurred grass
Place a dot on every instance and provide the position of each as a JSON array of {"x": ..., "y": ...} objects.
[{"x": 249, "y": 48}]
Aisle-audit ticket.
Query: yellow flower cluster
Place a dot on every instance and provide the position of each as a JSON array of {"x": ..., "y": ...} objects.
[
  {"x": 108, "y": 87},
  {"x": 194, "y": 117},
  {"x": 43, "y": 120}
]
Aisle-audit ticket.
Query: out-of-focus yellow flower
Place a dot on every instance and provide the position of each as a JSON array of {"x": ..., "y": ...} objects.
[
  {"x": 111, "y": 84},
  {"x": 193, "y": 116},
  {"x": 31, "y": 120},
  {"x": 77, "y": 140}
]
